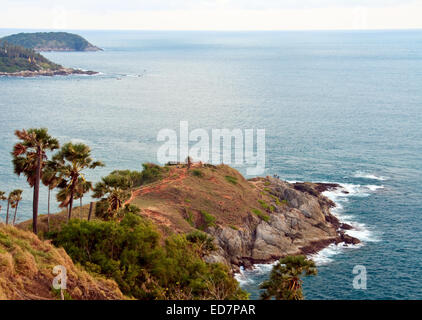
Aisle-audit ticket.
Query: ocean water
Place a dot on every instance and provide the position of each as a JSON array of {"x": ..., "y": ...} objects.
[{"x": 340, "y": 106}]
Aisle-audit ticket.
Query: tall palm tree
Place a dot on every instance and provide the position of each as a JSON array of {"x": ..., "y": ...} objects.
[
  {"x": 17, "y": 197},
  {"x": 73, "y": 159},
  {"x": 2, "y": 198},
  {"x": 116, "y": 189},
  {"x": 285, "y": 279},
  {"x": 29, "y": 157},
  {"x": 82, "y": 187},
  {"x": 51, "y": 180}
]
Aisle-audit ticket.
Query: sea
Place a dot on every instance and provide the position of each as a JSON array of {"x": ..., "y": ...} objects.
[{"x": 336, "y": 106}]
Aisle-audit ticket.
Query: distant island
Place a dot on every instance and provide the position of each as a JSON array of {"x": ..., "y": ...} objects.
[
  {"x": 50, "y": 41},
  {"x": 18, "y": 61}
]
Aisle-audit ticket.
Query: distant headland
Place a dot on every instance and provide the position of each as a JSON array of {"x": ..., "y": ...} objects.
[
  {"x": 50, "y": 41},
  {"x": 21, "y": 61}
]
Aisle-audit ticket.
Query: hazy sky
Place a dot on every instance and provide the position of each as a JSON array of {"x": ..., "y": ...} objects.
[{"x": 211, "y": 14}]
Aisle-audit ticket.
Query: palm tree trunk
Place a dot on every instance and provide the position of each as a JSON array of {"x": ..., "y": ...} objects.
[
  {"x": 70, "y": 206},
  {"x": 48, "y": 210},
  {"x": 90, "y": 210},
  {"x": 36, "y": 192},
  {"x": 16, "y": 210},
  {"x": 7, "y": 214}
]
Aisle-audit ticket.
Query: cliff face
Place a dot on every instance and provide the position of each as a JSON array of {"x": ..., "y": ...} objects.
[
  {"x": 252, "y": 221},
  {"x": 26, "y": 271},
  {"x": 299, "y": 223}
]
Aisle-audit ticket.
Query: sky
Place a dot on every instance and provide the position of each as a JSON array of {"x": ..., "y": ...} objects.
[{"x": 211, "y": 14}]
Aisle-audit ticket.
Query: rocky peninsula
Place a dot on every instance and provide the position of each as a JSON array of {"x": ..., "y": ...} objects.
[
  {"x": 48, "y": 73},
  {"x": 17, "y": 61},
  {"x": 252, "y": 221}
]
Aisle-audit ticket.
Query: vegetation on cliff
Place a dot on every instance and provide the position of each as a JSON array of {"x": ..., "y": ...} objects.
[
  {"x": 130, "y": 252},
  {"x": 50, "y": 41},
  {"x": 14, "y": 58},
  {"x": 26, "y": 270}
]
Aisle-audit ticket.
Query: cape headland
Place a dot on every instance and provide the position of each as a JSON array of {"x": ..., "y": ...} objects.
[
  {"x": 17, "y": 61},
  {"x": 259, "y": 220},
  {"x": 50, "y": 41}
]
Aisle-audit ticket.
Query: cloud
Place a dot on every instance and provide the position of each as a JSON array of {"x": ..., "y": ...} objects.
[{"x": 211, "y": 14}]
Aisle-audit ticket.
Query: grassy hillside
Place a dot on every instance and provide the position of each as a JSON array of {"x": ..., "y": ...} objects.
[
  {"x": 183, "y": 200},
  {"x": 26, "y": 265},
  {"x": 201, "y": 197},
  {"x": 51, "y": 41},
  {"x": 15, "y": 58}
]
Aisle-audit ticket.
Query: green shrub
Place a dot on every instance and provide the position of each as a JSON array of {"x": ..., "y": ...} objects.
[
  {"x": 129, "y": 208},
  {"x": 263, "y": 216},
  {"x": 101, "y": 209},
  {"x": 204, "y": 242},
  {"x": 197, "y": 173},
  {"x": 189, "y": 217},
  {"x": 130, "y": 253},
  {"x": 232, "y": 180},
  {"x": 208, "y": 218},
  {"x": 277, "y": 201},
  {"x": 152, "y": 172},
  {"x": 263, "y": 204},
  {"x": 134, "y": 177}
]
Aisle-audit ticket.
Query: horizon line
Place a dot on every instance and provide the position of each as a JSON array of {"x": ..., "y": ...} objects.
[{"x": 216, "y": 30}]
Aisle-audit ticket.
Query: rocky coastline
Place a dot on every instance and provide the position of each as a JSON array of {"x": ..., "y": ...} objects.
[
  {"x": 48, "y": 73},
  {"x": 304, "y": 226}
]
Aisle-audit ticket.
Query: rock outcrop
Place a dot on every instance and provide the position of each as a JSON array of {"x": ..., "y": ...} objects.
[{"x": 299, "y": 223}]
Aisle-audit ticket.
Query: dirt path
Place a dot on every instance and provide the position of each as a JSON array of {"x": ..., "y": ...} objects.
[{"x": 181, "y": 175}]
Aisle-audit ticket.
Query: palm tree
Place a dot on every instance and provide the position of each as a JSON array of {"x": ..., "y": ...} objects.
[
  {"x": 116, "y": 188},
  {"x": 82, "y": 187},
  {"x": 72, "y": 160},
  {"x": 51, "y": 180},
  {"x": 285, "y": 279},
  {"x": 9, "y": 202},
  {"x": 62, "y": 197},
  {"x": 29, "y": 157},
  {"x": 2, "y": 198},
  {"x": 17, "y": 197}
]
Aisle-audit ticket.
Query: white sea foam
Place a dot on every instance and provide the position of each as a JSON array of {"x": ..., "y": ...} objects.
[
  {"x": 370, "y": 176},
  {"x": 324, "y": 256},
  {"x": 374, "y": 187},
  {"x": 245, "y": 277},
  {"x": 339, "y": 196}
]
